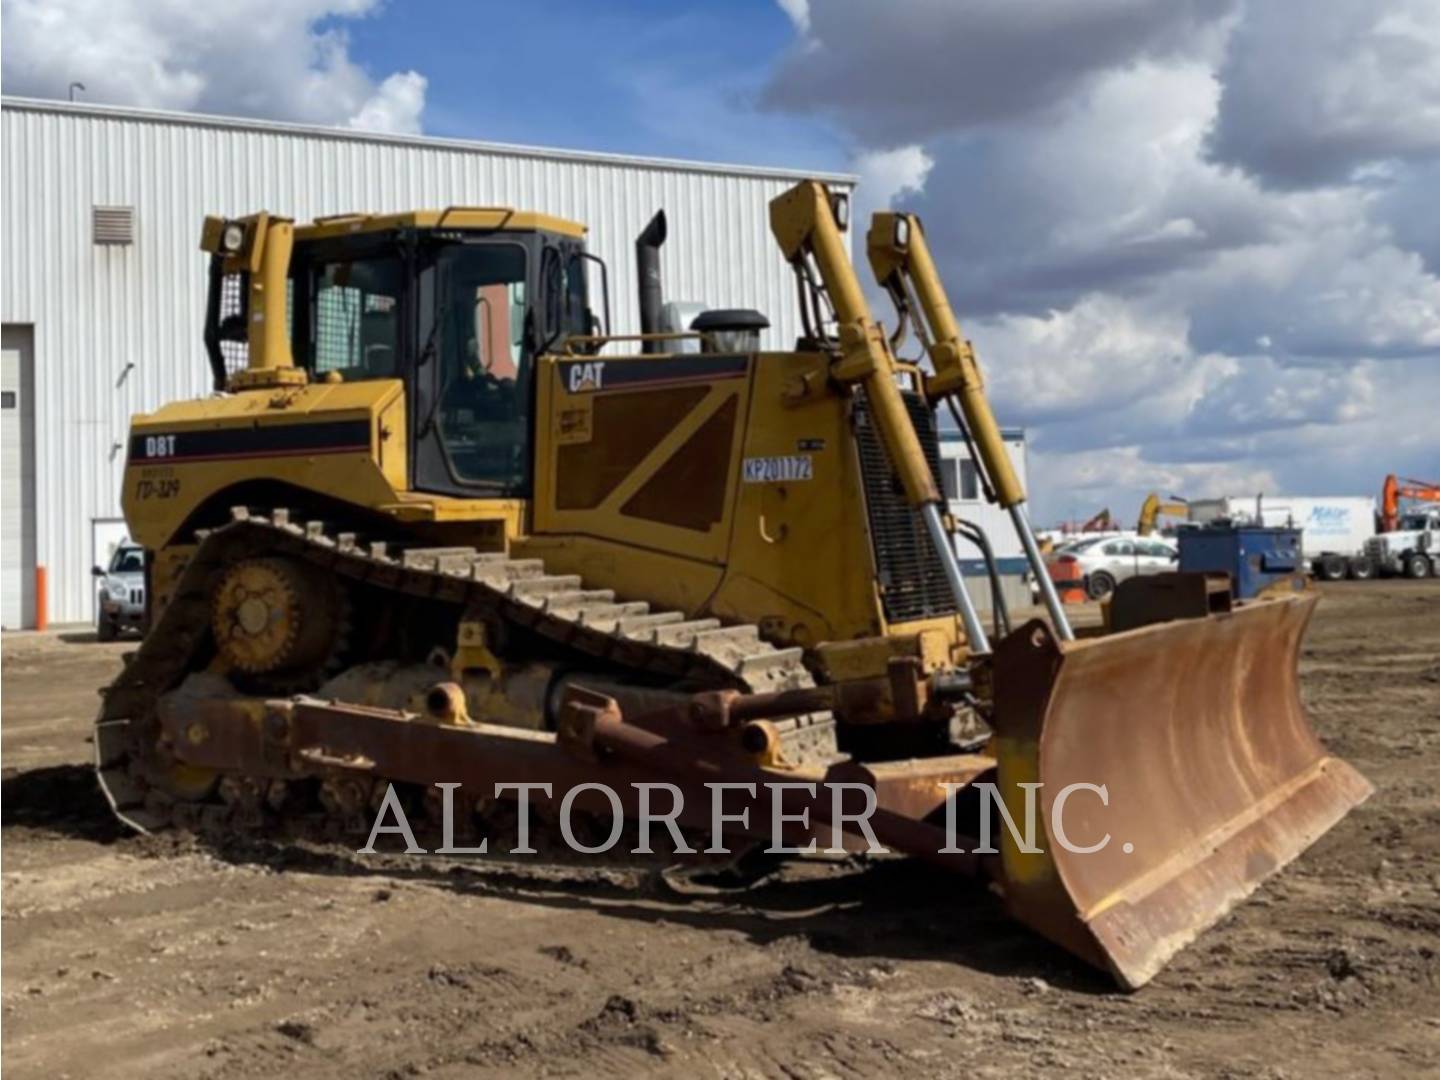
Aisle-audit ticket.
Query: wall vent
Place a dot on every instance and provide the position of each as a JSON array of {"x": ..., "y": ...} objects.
[{"x": 114, "y": 224}]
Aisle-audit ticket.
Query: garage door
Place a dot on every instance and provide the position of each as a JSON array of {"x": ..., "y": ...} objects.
[{"x": 17, "y": 482}]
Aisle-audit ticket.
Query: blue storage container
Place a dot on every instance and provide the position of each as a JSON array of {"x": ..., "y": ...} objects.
[{"x": 1253, "y": 556}]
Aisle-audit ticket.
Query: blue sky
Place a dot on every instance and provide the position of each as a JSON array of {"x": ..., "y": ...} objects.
[
  {"x": 1195, "y": 241},
  {"x": 657, "y": 78}
]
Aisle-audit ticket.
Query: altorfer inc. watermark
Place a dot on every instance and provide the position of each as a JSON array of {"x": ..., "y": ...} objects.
[{"x": 391, "y": 819}]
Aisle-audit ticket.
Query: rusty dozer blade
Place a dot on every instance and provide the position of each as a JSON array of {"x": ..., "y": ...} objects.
[{"x": 1214, "y": 777}]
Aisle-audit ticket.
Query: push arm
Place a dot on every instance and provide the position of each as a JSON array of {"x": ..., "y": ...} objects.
[
  {"x": 902, "y": 264},
  {"x": 804, "y": 223},
  {"x": 900, "y": 259}
]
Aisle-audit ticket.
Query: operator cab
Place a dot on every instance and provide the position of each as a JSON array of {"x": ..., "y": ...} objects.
[{"x": 456, "y": 304}]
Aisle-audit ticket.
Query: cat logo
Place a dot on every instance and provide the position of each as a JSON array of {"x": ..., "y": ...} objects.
[{"x": 587, "y": 376}]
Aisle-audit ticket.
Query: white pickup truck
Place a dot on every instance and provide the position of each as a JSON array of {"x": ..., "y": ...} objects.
[{"x": 1413, "y": 549}]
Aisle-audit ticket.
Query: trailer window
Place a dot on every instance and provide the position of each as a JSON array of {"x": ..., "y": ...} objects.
[
  {"x": 947, "y": 479},
  {"x": 969, "y": 481},
  {"x": 959, "y": 479}
]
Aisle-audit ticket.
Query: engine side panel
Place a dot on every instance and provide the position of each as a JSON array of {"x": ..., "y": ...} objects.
[
  {"x": 706, "y": 482},
  {"x": 325, "y": 438}
]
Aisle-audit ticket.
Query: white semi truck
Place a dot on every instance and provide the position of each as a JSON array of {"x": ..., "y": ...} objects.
[
  {"x": 1413, "y": 549},
  {"x": 1334, "y": 530}
]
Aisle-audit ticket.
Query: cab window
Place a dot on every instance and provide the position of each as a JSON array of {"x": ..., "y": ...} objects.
[
  {"x": 355, "y": 318},
  {"x": 484, "y": 383}
]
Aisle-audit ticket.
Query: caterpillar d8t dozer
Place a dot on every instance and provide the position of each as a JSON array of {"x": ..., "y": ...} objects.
[{"x": 438, "y": 527}]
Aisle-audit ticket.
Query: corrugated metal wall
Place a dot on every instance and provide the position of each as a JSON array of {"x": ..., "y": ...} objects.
[{"x": 117, "y": 328}]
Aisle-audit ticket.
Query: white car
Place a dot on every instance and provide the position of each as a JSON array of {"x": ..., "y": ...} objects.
[
  {"x": 1105, "y": 561},
  {"x": 120, "y": 603}
]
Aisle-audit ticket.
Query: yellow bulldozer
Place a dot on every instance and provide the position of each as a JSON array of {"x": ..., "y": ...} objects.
[{"x": 437, "y": 526}]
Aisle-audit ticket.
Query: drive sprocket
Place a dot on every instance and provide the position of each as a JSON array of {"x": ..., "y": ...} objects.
[{"x": 276, "y": 617}]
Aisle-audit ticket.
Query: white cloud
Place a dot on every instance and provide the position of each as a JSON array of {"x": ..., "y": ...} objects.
[
  {"x": 1326, "y": 295},
  {"x": 1099, "y": 356},
  {"x": 279, "y": 59},
  {"x": 1311, "y": 99},
  {"x": 395, "y": 106},
  {"x": 1076, "y": 485},
  {"x": 886, "y": 174},
  {"x": 798, "y": 11},
  {"x": 903, "y": 70},
  {"x": 1154, "y": 297}
]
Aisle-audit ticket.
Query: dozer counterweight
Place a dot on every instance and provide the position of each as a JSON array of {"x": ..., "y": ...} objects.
[{"x": 442, "y": 527}]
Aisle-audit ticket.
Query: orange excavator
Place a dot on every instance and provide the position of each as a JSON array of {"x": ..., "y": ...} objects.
[{"x": 1397, "y": 488}]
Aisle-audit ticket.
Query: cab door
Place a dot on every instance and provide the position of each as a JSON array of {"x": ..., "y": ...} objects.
[{"x": 473, "y": 370}]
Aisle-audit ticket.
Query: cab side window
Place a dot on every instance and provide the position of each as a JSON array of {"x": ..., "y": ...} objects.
[{"x": 355, "y": 318}]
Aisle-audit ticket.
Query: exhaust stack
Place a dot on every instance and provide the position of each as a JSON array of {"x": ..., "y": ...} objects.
[{"x": 647, "y": 265}]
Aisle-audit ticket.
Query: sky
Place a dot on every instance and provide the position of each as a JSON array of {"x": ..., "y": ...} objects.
[{"x": 1195, "y": 242}]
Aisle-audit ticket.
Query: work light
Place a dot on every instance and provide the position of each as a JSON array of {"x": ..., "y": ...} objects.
[{"x": 233, "y": 236}]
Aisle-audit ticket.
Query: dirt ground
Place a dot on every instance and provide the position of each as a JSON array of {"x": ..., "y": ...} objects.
[{"x": 161, "y": 957}]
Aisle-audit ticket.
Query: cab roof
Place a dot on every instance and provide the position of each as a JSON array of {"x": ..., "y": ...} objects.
[{"x": 486, "y": 218}]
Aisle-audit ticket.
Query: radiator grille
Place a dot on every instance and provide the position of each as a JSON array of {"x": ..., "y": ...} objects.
[{"x": 912, "y": 580}]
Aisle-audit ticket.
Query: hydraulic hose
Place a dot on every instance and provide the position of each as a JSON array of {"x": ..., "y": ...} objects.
[{"x": 1000, "y": 611}]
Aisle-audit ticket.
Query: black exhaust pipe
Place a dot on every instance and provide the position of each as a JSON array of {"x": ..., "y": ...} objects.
[{"x": 647, "y": 265}]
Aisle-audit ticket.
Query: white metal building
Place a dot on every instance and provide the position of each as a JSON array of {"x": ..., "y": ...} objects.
[
  {"x": 961, "y": 482},
  {"x": 104, "y": 284}
]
